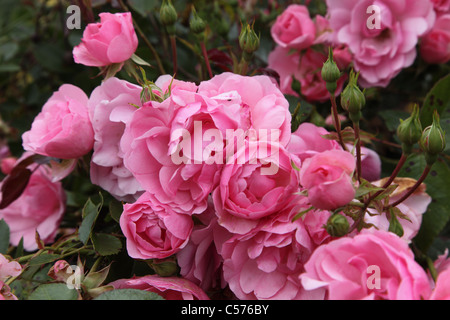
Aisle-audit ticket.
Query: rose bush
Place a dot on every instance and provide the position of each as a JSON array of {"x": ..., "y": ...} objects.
[{"x": 187, "y": 154}]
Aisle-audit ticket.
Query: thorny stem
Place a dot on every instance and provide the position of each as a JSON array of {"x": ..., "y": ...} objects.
[
  {"x": 337, "y": 122},
  {"x": 205, "y": 56},
  {"x": 173, "y": 44},
  {"x": 425, "y": 173}
]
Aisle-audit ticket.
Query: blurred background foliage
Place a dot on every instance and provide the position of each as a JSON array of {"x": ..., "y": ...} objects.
[{"x": 36, "y": 58}]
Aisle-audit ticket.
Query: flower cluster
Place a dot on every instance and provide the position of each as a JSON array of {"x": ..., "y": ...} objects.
[{"x": 213, "y": 180}]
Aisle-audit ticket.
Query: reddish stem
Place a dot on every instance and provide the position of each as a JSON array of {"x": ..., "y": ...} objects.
[{"x": 205, "y": 56}]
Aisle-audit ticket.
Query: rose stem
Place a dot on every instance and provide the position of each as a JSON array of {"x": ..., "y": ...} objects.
[{"x": 205, "y": 56}]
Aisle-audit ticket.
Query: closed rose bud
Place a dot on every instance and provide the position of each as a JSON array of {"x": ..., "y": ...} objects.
[
  {"x": 410, "y": 130},
  {"x": 248, "y": 41},
  {"x": 168, "y": 16},
  {"x": 352, "y": 98},
  {"x": 433, "y": 140},
  {"x": 330, "y": 70},
  {"x": 196, "y": 24},
  {"x": 337, "y": 225}
]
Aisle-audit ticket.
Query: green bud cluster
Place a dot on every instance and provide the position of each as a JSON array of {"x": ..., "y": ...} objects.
[
  {"x": 330, "y": 73},
  {"x": 196, "y": 24},
  {"x": 337, "y": 225}
]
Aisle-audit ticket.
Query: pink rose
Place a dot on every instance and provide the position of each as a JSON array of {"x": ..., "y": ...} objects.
[
  {"x": 9, "y": 268},
  {"x": 200, "y": 261},
  {"x": 39, "y": 208},
  {"x": 309, "y": 140},
  {"x": 373, "y": 266},
  {"x": 266, "y": 262},
  {"x": 169, "y": 288},
  {"x": 113, "y": 40},
  {"x": 258, "y": 101},
  {"x": 5, "y": 292},
  {"x": 294, "y": 28},
  {"x": 327, "y": 177},
  {"x": 153, "y": 230},
  {"x": 441, "y": 290},
  {"x": 435, "y": 45},
  {"x": 256, "y": 183},
  {"x": 62, "y": 129},
  {"x": 441, "y": 5},
  {"x": 151, "y": 145},
  {"x": 110, "y": 108},
  {"x": 382, "y": 44}
]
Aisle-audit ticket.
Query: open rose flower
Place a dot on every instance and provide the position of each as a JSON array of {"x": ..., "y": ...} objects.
[
  {"x": 39, "y": 208},
  {"x": 373, "y": 266},
  {"x": 110, "y": 108},
  {"x": 435, "y": 45},
  {"x": 62, "y": 129},
  {"x": 257, "y": 182},
  {"x": 8, "y": 268},
  {"x": 112, "y": 40},
  {"x": 327, "y": 177},
  {"x": 294, "y": 28},
  {"x": 384, "y": 42},
  {"x": 153, "y": 230},
  {"x": 169, "y": 288},
  {"x": 266, "y": 262}
]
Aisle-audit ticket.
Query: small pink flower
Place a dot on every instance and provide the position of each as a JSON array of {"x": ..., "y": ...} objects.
[
  {"x": 112, "y": 40},
  {"x": 110, "y": 108},
  {"x": 153, "y": 230},
  {"x": 169, "y": 288},
  {"x": 435, "y": 45},
  {"x": 9, "y": 268},
  {"x": 39, "y": 208},
  {"x": 373, "y": 266},
  {"x": 294, "y": 28},
  {"x": 62, "y": 129},
  {"x": 327, "y": 177}
]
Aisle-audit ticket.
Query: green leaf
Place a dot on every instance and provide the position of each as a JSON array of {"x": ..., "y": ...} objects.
[
  {"x": 129, "y": 294},
  {"x": 138, "y": 60},
  {"x": 115, "y": 210},
  {"x": 394, "y": 225},
  {"x": 106, "y": 244},
  {"x": 53, "y": 291},
  {"x": 89, "y": 214},
  {"x": 438, "y": 212},
  {"x": 43, "y": 259},
  {"x": 4, "y": 236},
  {"x": 438, "y": 98}
]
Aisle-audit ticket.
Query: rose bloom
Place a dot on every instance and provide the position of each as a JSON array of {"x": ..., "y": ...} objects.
[
  {"x": 62, "y": 129},
  {"x": 169, "y": 288},
  {"x": 110, "y": 108},
  {"x": 265, "y": 263},
  {"x": 327, "y": 178},
  {"x": 257, "y": 182},
  {"x": 260, "y": 104},
  {"x": 380, "y": 52},
  {"x": 112, "y": 40},
  {"x": 442, "y": 285},
  {"x": 150, "y": 144},
  {"x": 294, "y": 28},
  {"x": 200, "y": 261},
  {"x": 39, "y": 208},
  {"x": 153, "y": 230},
  {"x": 435, "y": 45},
  {"x": 346, "y": 269},
  {"x": 442, "y": 6},
  {"x": 9, "y": 268}
]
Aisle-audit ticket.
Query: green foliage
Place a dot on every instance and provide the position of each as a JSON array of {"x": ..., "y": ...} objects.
[
  {"x": 129, "y": 294},
  {"x": 53, "y": 291}
]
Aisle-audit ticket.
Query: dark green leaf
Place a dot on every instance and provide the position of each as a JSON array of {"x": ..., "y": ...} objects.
[
  {"x": 90, "y": 213},
  {"x": 106, "y": 244},
  {"x": 53, "y": 291},
  {"x": 43, "y": 259},
  {"x": 437, "y": 99},
  {"x": 4, "y": 236},
  {"x": 115, "y": 210},
  {"x": 129, "y": 294}
]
